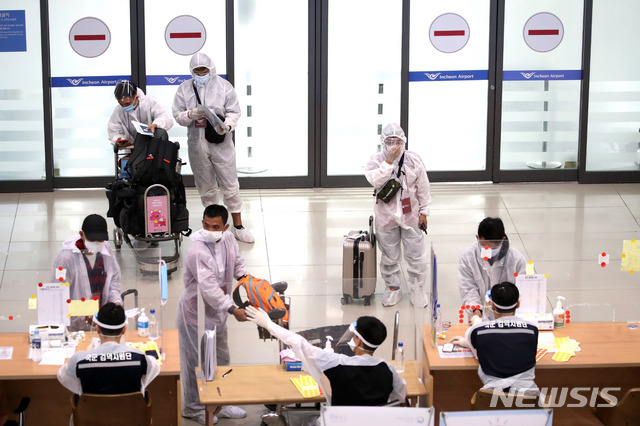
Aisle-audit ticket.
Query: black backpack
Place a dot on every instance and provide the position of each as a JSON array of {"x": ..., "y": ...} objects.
[{"x": 153, "y": 160}]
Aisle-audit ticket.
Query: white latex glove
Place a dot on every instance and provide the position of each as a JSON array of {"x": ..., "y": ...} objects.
[
  {"x": 258, "y": 316},
  {"x": 475, "y": 319},
  {"x": 460, "y": 341},
  {"x": 394, "y": 153},
  {"x": 195, "y": 114}
]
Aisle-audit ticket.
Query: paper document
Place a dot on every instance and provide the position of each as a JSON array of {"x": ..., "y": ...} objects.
[
  {"x": 211, "y": 116},
  {"x": 458, "y": 352},
  {"x": 533, "y": 293},
  {"x": 53, "y": 356},
  {"x": 52, "y": 303},
  {"x": 209, "y": 367},
  {"x": 6, "y": 352},
  {"x": 141, "y": 128}
]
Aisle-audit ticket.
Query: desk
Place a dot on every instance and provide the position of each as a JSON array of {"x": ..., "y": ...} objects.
[
  {"x": 271, "y": 384},
  {"x": 609, "y": 357},
  {"x": 50, "y": 401}
]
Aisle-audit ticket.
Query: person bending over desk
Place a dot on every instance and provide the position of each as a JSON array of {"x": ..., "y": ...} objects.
[
  {"x": 355, "y": 380},
  {"x": 111, "y": 368},
  {"x": 505, "y": 347},
  {"x": 477, "y": 275}
]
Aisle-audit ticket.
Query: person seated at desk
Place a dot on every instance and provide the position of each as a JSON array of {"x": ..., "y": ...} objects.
[
  {"x": 91, "y": 269},
  {"x": 505, "y": 347},
  {"x": 135, "y": 106},
  {"x": 359, "y": 380},
  {"x": 210, "y": 266},
  {"x": 111, "y": 368},
  {"x": 476, "y": 275}
]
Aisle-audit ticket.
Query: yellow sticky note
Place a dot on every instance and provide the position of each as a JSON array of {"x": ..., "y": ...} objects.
[
  {"x": 630, "y": 255},
  {"x": 561, "y": 356},
  {"x": 80, "y": 308},
  {"x": 33, "y": 302},
  {"x": 530, "y": 270},
  {"x": 569, "y": 347}
]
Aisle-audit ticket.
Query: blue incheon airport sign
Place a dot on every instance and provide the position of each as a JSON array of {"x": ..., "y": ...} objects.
[
  {"x": 448, "y": 75},
  {"x": 542, "y": 75},
  {"x": 112, "y": 80}
]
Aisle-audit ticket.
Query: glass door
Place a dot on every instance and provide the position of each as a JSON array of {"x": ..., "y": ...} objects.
[
  {"x": 539, "y": 108},
  {"x": 90, "y": 52},
  {"x": 449, "y": 89}
]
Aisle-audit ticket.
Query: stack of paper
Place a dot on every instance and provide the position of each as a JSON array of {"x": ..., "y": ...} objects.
[
  {"x": 146, "y": 347},
  {"x": 307, "y": 386}
]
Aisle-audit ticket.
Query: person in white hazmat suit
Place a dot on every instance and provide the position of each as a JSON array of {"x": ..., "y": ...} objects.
[
  {"x": 134, "y": 105},
  {"x": 402, "y": 217},
  {"x": 210, "y": 266},
  {"x": 213, "y": 164},
  {"x": 487, "y": 262},
  {"x": 89, "y": 267},
  {"x": 352, "y": 380}
]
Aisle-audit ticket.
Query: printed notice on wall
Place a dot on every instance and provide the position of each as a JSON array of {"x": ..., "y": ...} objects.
[{"x": 13, "y": 33}]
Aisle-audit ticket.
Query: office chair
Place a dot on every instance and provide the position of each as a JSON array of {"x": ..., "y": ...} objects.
[
  {"x": 481, "y": 400},
  {"x": 625, "y": 412},
  {"x": 104, "y": 410},
  {"x": 20, "y": 411}
]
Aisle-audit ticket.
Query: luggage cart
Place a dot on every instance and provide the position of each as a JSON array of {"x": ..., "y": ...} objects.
[
  {"x": 157, "y": 221},
  {"x": 157, "y": 217}
]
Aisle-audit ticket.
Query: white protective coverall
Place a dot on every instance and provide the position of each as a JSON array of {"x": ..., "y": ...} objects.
[
  {"x": 392, "y": 226},
  {"x": 149, "y": 111},
  {"x": 213, "y": 165},
  {"x": 315, "y": 361},
  {"x": 72, "y": 259},
  {"x": 476, "y": 276},
  {"x": 214, "y": 279}
]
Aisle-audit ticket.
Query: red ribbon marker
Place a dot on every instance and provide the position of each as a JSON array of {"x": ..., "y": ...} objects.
[
  {"x": 39, "y": 284},
  {"x": 82, "y": 299},
  {"x": 59, "y": 268},
  {"x": 60, "y": 279},
  {"x": 515, "y": 274},
  {"x": 604, "y": 254},
  {"x": 10, "y": 317},
  {"x": 461, "y": 321},
  {"x": 95, "y": 297},
  {"x": 468, "y": 306},
  {"x": 603, "y": 264},
  {"x": 68, "y": 300}
]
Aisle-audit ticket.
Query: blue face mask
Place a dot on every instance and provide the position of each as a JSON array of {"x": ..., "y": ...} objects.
[
  {"x": 202, "y": 79},
  {"x": 129, "y": 108}
]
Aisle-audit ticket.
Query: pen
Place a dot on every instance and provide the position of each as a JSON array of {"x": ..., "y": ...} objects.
[
  {"x": 225, "y": 374},
  {"x": 219, "y": 391}
]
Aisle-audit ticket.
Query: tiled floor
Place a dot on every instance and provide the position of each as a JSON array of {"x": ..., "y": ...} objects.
[{"x": 562, "y": 228}]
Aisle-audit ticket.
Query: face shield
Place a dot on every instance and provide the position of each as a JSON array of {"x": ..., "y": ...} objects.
[{"x": 348, "y": 336}]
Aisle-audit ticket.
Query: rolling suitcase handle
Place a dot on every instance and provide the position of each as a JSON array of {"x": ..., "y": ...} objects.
[
  {"x": 372, "y": 236},
  {"x": 135, "y": 300}
]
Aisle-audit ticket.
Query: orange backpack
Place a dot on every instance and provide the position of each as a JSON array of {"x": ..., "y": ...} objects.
[{"x": 259, "y": 294}]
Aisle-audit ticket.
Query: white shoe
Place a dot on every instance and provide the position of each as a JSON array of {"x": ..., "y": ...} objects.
[
  {"x": 418, "y": 298},
  {"x": 391, "y": 297},
  {"x": 200, "y": 418},
  {"x": 232, "y": 412},
  {"x": 243, "y": 234}
]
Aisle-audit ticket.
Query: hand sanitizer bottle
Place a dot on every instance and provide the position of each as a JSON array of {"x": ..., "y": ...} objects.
[
  {"x": 143, "y": 324},
  {"x": 558, "y": 314}
]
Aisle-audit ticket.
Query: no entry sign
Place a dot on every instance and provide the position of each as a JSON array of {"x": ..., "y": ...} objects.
[
  {"x": 89, "y": 37},
  {"x": 543, "y": 32},
  {"x": 185, "y": 35},
  {"x": 449, "y": 33}
]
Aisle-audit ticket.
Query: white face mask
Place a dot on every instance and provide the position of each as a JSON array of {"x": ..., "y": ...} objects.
[
  {"x": 495, "y": 252},
  {"x": 94, "y": 246},
  {"x": 212, "y": 236},
  {"x": 352, "y": 345}
]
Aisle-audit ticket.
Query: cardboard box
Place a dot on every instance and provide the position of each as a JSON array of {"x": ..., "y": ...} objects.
[{"x": 47, "y": 332}]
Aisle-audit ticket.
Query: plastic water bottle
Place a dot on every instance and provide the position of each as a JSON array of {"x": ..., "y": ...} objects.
[
  {"x": 154, "y": 330},
  {"x": 36, "y": 344},
  {"x": 143, "y": 324},
  {"x": 438, "y": 320},
  {"x": 399, "y": 361}
]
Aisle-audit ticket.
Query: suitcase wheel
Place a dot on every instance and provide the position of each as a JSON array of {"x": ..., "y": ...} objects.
[
  {"x": 117, "y": 238},
  {"x": 345, "y": 300},
  {"x": 367, "y": 300}
]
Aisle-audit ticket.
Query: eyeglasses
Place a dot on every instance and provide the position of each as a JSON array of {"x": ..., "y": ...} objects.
[{"x": 393, "y": 141}]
